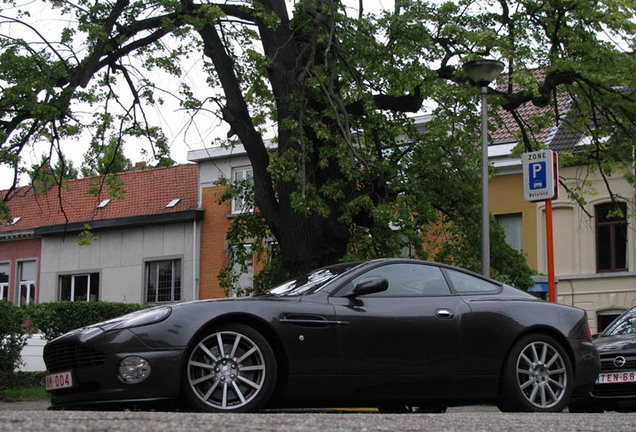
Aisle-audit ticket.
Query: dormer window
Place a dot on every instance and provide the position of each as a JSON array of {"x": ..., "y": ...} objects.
[
  {"x": 104, "y": 203},
  {"x": 173, "y": 203},
  {"x": 15, "y": 220}
]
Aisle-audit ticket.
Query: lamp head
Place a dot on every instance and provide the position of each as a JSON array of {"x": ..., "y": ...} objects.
[{"x": 483, "y": 72}]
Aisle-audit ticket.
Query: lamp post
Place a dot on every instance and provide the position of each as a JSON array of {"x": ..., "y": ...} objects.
[{"x": 482, "y": 73}]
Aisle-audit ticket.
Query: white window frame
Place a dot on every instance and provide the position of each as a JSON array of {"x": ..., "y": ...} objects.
[
  {"x": 174, "y": 295},
  {"x": 512, "y": 225},
  {"x": 245, "y": 281},
  {"x": 28, "y": 285},
  {"x": 4, "y": 286},
  {"x": 239, "y": 174},
  {"x": 73, "y": 285}
]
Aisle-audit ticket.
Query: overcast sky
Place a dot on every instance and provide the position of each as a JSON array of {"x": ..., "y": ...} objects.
[{"x": 183, "y": 136}]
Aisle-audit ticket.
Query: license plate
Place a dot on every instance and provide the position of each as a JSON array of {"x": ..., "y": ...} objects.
[
  {"x": 616, "y": 377},
  {"x": 59, "y": 380}
]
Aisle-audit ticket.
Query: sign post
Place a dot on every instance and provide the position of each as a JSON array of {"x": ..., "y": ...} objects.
[{"x": 540, "y": 174}]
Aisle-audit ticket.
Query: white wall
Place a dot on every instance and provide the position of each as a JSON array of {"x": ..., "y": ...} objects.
[
  {"x": 32, "y": 354},
  {"x": 119, "y": 256}
]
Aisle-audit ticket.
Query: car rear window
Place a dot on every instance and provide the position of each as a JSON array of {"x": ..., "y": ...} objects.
[{"x": 466, "y": 283}]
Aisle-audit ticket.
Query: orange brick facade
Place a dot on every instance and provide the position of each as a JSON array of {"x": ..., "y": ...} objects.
[{"x": 213, "y": 229}]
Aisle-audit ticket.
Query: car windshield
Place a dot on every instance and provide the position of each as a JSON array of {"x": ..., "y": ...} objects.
[
  {"x": 310, "y": 282},
  {"x": 625, "y": 325}
]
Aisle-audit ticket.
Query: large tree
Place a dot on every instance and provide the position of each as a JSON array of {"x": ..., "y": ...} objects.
[{"x": 332, "y": 85}]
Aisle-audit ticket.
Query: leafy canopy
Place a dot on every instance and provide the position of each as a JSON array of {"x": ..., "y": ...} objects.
[{"x": 350, "y": 174}]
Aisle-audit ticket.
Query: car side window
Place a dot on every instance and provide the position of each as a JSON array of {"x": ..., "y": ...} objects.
[
  {"x": 408, "y": 280},
  {"x": 624, "y": 326},
  {"x": 466, "y": 283}
]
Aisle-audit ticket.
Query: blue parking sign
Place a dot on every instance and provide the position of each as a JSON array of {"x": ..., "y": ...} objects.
[
  {"x": 540, "y": 173},
  {"x": 537, "y": 171}
]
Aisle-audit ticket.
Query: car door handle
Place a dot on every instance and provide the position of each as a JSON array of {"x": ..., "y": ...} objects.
[{"x": 444, "y": 314}]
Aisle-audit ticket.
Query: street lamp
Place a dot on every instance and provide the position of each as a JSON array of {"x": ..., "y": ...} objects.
[{"x": 482, "y": 73}]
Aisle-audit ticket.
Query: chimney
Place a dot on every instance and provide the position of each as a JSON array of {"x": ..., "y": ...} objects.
[{"x": 139, "y": 166}]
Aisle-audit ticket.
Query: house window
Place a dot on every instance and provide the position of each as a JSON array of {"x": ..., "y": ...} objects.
[
  {"x": 512, "y": 225},
  {"x": 611, "y": 237},
  {"x": 163, "y": 281},
  {"x": 245, "y": 282},
  {"x": 27, "y": 271},
  {"x": 81, "y": 287},
  {"x": 242, "y": 179},
  {"x": 4, "y": 281}
]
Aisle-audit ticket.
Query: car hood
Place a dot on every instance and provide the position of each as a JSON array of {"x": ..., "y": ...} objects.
[{"x": 615, "y": 343}]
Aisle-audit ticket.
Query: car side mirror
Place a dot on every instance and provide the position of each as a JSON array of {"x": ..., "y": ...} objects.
[{"x": 369, "y": 285}]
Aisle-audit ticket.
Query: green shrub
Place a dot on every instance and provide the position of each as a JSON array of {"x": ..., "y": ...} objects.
[
  {"x": 12, "y": 336},
  {"x": 17, "y": 386},
  {"x": 56, "y": 318},
  {"x": 16, "y": 380}
]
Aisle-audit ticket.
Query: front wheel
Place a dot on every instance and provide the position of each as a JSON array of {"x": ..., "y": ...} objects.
[
  {"x": 230, "y": 369},
  {"x": 537, "y": 376}
]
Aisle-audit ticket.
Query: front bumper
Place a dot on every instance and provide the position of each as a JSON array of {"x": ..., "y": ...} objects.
[{"x": 93, "y": 359}]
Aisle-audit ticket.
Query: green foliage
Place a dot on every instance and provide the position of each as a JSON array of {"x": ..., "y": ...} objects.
[
  {"x": 106, "y": 159},
  {"x": 23, "y": 394},
  {"x": 351, "y": 175},
  {"x": 44, "y": 176},
  {"x": 56, "y": 318},
  {"x": 19, "y": 380},
  {"x": 12, "y": 336},
  {"x": 86, "y": 237}
]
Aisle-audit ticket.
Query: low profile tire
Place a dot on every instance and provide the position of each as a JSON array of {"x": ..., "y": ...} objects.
[
  {"x": 537, "y": 376},
  {"x": 230, "y": 369}
]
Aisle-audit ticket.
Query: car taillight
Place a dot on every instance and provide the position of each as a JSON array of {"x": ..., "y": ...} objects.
[{"x": 588, "y": 332}]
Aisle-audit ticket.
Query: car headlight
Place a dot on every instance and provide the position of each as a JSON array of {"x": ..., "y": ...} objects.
[
  {"x": 134, "y": 369},
  {"x": 138, "y": 318}
]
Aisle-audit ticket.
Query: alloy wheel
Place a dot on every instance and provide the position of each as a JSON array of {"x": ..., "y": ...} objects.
[
  {"x": 226, "y": 370},
  {"x": 542, "y": 374}
]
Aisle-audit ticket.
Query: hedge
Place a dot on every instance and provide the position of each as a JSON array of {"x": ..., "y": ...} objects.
[
  {"x": 17, "y": 380},
  {"x": 56, "y": 318}
]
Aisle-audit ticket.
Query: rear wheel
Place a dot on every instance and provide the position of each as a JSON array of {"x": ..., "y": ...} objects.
[
  {"x": 537, "y": 376},
  {"x": 230, "y": 369}
]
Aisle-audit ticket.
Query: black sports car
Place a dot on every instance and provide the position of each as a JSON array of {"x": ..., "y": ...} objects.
[
  {"x": 390, "y": 334},
  {"x": 615, "y": 387}
]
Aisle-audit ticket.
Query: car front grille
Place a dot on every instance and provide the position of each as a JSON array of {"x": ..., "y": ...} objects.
[
  {"x": 608, "y": 365},
  {"x": 67, "y": 356}
]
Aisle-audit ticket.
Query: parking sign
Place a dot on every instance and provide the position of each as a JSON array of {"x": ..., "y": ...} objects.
[{"x": 539, "y": 175}]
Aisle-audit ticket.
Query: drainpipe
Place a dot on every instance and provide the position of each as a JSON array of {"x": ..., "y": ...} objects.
[{"x": 195, "y": 279}]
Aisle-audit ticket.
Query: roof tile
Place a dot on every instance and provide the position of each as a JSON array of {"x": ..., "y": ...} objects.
[{"x": 147, "y": 192}]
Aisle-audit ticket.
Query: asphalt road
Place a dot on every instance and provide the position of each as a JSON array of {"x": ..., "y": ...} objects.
[{"x": 33, "y": 417}]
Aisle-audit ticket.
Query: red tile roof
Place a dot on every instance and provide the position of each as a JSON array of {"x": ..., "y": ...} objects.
[
  {"x": 508, "y": 130},
  {"x": 147, "y": 192}
]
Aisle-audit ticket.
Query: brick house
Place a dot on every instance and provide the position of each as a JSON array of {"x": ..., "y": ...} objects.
[{"x": 145, "y": 246}]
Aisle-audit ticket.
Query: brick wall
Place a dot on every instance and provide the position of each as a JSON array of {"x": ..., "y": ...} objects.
[
  {"x": 213, "y": 229},
  {"x": 12, "y": 252}
]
